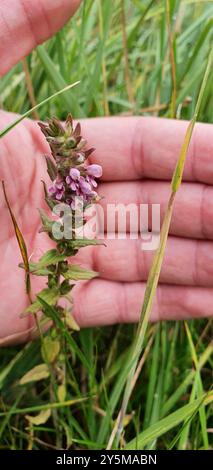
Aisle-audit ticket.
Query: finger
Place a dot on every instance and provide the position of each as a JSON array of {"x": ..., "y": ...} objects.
[
  {"x": 132, "y": 148},
  {"x": 26, "y": 23},
  {"x": 193, "y": 209},
  {"x": 193, "y": 212},
  {"x": 186, "y": 262},
  {"x": 101, "y": 302},
  {"x": 135, "y": 148}
]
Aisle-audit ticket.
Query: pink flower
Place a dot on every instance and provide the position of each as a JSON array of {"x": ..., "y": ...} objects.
[
  {"x": 94, "y": 170},
  {"x": 84, "y": 185},
  {"x": 75, "y": 174},
  {"x": 57, "y": 189},
  {"x": 79, "y": 182}
]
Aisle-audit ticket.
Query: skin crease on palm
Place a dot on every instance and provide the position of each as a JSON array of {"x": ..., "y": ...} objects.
[{"x": 138, "y": 156}]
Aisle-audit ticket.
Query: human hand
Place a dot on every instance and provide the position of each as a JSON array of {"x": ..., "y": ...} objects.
[{"x": 138, "y": 156}]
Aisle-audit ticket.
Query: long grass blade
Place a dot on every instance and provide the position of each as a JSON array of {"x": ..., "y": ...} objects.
[
  {"x": 154, "y": 273},
  {"x": 170, "y": 422},
  {"x": 18, "y": 120}
]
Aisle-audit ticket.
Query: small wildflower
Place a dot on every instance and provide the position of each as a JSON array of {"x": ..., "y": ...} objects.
[
  {"x": 74, "y": 176},
  {"x": 57, "y": 190},
  {"x": 71, "y": 177},
  {"x": 94, "y": 170},
  {"x": 73, "y": 182}
]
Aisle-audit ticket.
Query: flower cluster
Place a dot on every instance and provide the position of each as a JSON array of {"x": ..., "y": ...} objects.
[
  {"x": 70, "y": 174},
  {"x": 79, "y": 182}
]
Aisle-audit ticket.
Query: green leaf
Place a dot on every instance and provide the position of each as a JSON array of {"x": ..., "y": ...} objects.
[
  {"x": 50, "y": 349},
  {"x": 196, "y": 392},
  {"x": 68, "y": 433},
  {"x": 34, "y": 375},
  {"x": 177, "y": 176},
  {"x": 53, "y": 313},
  {"x": 33, "y": 269},
  {"x": 50, "y": 296},
  {"x": 77, "y": 273},
  {"x": 178, "y": 173},
  {"x": 50, "y": 257},
  {"x": 47, "y": 223},
  {"x": 181, "y": 389},
  {"x": 57, "y": 80},
  {"x": 53, "y": 406},
  {"x": 165, "y": 424},
  {"x": 80, "y": 243}
]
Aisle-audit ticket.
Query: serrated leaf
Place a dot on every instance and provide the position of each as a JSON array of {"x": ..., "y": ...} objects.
[
  {"x": 41, "y": 418},
  {"x": 61, "y": 392},
  {"x": 50, "y": 257},
  {"x": 50, "y": 296},
  {"x": 80, "y": 243},
  {"x": 47, "y": 223},
  {"x": 33, "y": 268},
  {"x": 76, "y": 273},
  {"x": 50, "y": 349},
  {"x": 34, "y": 375}
]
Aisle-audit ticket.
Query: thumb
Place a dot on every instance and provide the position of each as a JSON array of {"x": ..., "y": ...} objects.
[{"x": 26, "y": 23}]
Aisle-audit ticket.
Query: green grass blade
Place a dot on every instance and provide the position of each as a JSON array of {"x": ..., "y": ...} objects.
[
  {"x": 171, "y": 421},
  {"x": 154, "y": 273},
  {"x": 58, "y": 81},
  {"x": 17, "y": 121},
  {"x": 52, "y": 313},
  {"x": 152, "y": 379},
  {"x": 198, "y": 392},
  {"x": 52, "y": 406},
  {"x": 177, "y": 177},
  {"x": 173, "y": 399}
]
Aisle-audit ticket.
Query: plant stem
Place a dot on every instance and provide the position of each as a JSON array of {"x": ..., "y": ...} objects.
[
  {"x": 30, "y": 88},
  {"x": 154, "y": 273}
]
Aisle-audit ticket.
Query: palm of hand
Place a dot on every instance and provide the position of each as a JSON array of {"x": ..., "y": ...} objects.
[
  {"x": 21, "y": 169},
  {"x": 129, "y": 149}
]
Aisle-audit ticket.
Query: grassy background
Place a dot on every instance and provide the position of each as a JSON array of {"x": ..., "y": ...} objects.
[{"x": 120, "y": 50}]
